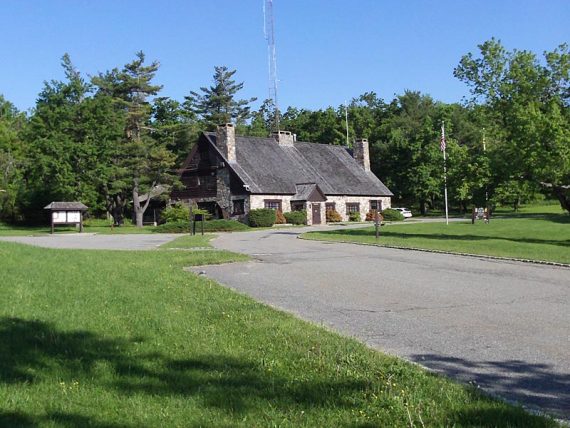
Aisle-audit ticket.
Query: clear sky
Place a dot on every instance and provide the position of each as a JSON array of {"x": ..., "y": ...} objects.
[{"x": 328, "y": 51}]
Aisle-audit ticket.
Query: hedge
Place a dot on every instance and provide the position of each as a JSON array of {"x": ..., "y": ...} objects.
[
  {"x": 262, "y": 217},
  {"x": 209, "y": 226},
  {"x": 296, "y": 217},
  {"x": 392, "y": 215},
  {"x": 354, "y": 216}
]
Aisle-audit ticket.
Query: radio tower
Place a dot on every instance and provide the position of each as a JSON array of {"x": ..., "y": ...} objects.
[{"x": 269, "y": 31}]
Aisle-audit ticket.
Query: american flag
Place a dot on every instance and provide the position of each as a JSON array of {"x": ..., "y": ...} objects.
[{"x": 442, "y": 143}]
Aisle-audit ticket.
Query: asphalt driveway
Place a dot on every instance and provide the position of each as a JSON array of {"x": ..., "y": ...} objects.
[{"x": 505, "y": 326}]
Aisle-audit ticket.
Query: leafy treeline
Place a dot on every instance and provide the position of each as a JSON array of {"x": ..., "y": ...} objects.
[{"x": 111, "y": 140}]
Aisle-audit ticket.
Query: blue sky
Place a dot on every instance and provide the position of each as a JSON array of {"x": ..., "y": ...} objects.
[{"x": 327, "y": 51}]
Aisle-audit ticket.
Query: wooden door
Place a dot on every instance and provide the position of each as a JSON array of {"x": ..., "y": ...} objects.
[{"x": 316, "y": 208}]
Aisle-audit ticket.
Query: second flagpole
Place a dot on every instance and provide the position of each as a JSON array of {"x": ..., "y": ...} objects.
[{"x": 443, "y": 146}]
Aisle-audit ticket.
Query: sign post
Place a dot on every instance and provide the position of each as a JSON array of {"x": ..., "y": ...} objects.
[{"x": 377, "y": 223}]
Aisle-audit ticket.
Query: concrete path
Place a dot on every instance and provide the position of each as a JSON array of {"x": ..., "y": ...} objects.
[
  {"x": 90, "y": 241},
  {"x": 502, "y": 325}
]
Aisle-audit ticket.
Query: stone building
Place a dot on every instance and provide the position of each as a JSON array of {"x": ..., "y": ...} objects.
[{"x": 229, "y": 175}]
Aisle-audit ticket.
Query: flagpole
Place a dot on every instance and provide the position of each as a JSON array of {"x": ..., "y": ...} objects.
[{"x": 443, "y": 146}]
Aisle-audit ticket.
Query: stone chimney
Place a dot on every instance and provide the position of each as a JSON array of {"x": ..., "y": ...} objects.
[
  {"x": 284, "y": 138},
  {"x": 361, "y": 153},
  {"x": 226, "y": 141}
]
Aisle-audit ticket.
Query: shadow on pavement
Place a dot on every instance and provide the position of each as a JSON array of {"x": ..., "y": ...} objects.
[{"x": 533, "y": 385}]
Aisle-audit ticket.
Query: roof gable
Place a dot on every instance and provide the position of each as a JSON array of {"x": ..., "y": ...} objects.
[{"x": 309, "y": 192}]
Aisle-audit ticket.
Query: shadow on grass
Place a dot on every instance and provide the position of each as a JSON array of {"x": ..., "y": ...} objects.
[
  {"x": 446, "y": 237},
  {"x": 535, "y": 385},
  {"x": 562, "y": 218},
  {"x": 35, "y": 351},
  {"x": 65, "y": 420}
]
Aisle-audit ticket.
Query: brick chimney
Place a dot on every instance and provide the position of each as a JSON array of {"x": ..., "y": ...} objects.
[
  {"x": 361, "y": 153},
  {"x": 284, "y": 138},
  {"x": 226, "y": 141}
]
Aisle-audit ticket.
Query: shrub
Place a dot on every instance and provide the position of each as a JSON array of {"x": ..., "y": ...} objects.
[
  {"x": 175, "y": 213},
  {"x": 279, "y": 217},
  {"x": 371, "y": 215},
  {"x": 354, "y": 216},
  {"x": 180, "y": 212},
  {"x": 206, "y": 215},
  {"x": 209, "y": 226},
  {"x": 97, "y": 222},
  {"x": 296, "y": 217},
  {"x": 333, "y": 216},
  {"x": 262, "y": 217},
  {"x": 392, "y": 215}
]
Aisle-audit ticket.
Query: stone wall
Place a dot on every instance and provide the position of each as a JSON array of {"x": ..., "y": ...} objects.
[
  {"x": 363, "y": 201},
  {"x": 223, "y": 193},
  {"x": 258, "y": 201}
]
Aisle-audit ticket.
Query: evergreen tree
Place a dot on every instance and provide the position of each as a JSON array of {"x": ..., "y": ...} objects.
[
  {"x": 175, "y": 126},
  {"x": 66, "y": 139},
  {"x": 217, "y": 104},
  {"x": 142, "y": 163}
]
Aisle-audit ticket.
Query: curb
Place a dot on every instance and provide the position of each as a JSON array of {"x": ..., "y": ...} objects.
[{"x": 426, "y": 250}]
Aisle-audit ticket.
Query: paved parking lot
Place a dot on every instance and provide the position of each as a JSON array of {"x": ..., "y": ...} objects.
[{"x": 504, "y": 326}]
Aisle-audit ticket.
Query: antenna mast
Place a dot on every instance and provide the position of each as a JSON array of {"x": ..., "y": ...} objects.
[
  {"x": 346, "y": 119},
  {"x": 269, "y": 31}
]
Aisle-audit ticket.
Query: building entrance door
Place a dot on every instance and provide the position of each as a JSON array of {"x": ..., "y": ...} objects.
[{"x": 316, "y": 208}]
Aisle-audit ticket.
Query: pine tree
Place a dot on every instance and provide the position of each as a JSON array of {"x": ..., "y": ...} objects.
[
  {"x": 142, "y": 163},
  {"x": 217, "y": 104}
]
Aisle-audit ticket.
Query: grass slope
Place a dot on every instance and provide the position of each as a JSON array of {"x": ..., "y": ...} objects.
[
  {"x": 190, "y": 242},
  {"x": 128, "y": 339},
  {"x": 535, "y": 237}
]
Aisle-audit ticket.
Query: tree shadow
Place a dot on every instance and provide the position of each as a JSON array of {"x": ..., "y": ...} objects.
[
  {"x": 446, "y": 237},
  {"x": 562, "y": 218},
  {"x": 71, "y": 420},
  {"x": 33, "y": 351},
  {"x": 534, "y": 385}
]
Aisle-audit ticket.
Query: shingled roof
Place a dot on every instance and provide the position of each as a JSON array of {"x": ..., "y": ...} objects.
[
  {"x": 270, "y": 168},
  {"x": 66, "y": 206}
]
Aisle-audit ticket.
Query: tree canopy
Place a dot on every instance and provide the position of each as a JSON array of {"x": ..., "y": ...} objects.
[{"x": 111, "y": 140}]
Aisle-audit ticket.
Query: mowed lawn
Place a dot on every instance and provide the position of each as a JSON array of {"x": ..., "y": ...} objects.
[
  {"x": 534, "y": 236},
  {"x": 129, "y": 339}
]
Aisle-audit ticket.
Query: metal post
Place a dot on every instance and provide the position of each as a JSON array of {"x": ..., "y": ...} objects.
[
  {"x": 443, "y": 147},
  {"x": 377, "y": 224},
  {"x": 191, "y": 217}
]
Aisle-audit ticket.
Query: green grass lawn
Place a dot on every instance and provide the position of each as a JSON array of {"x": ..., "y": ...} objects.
[
  {"x": 535, "y": 236},
  {"x": 190, "y": 242},
  {"x": 129, "y": 339}
]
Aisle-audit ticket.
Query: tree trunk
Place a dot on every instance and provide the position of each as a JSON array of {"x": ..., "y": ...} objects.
[
  {"x": 115, "y": 208},
  {"x": 563, "y": 196},
  {"x": 137, "y": 204},
  {"x": 423, "y": 207},
  {"x": 139, "y": 210},
  {"x": 139, "y": 218}
]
